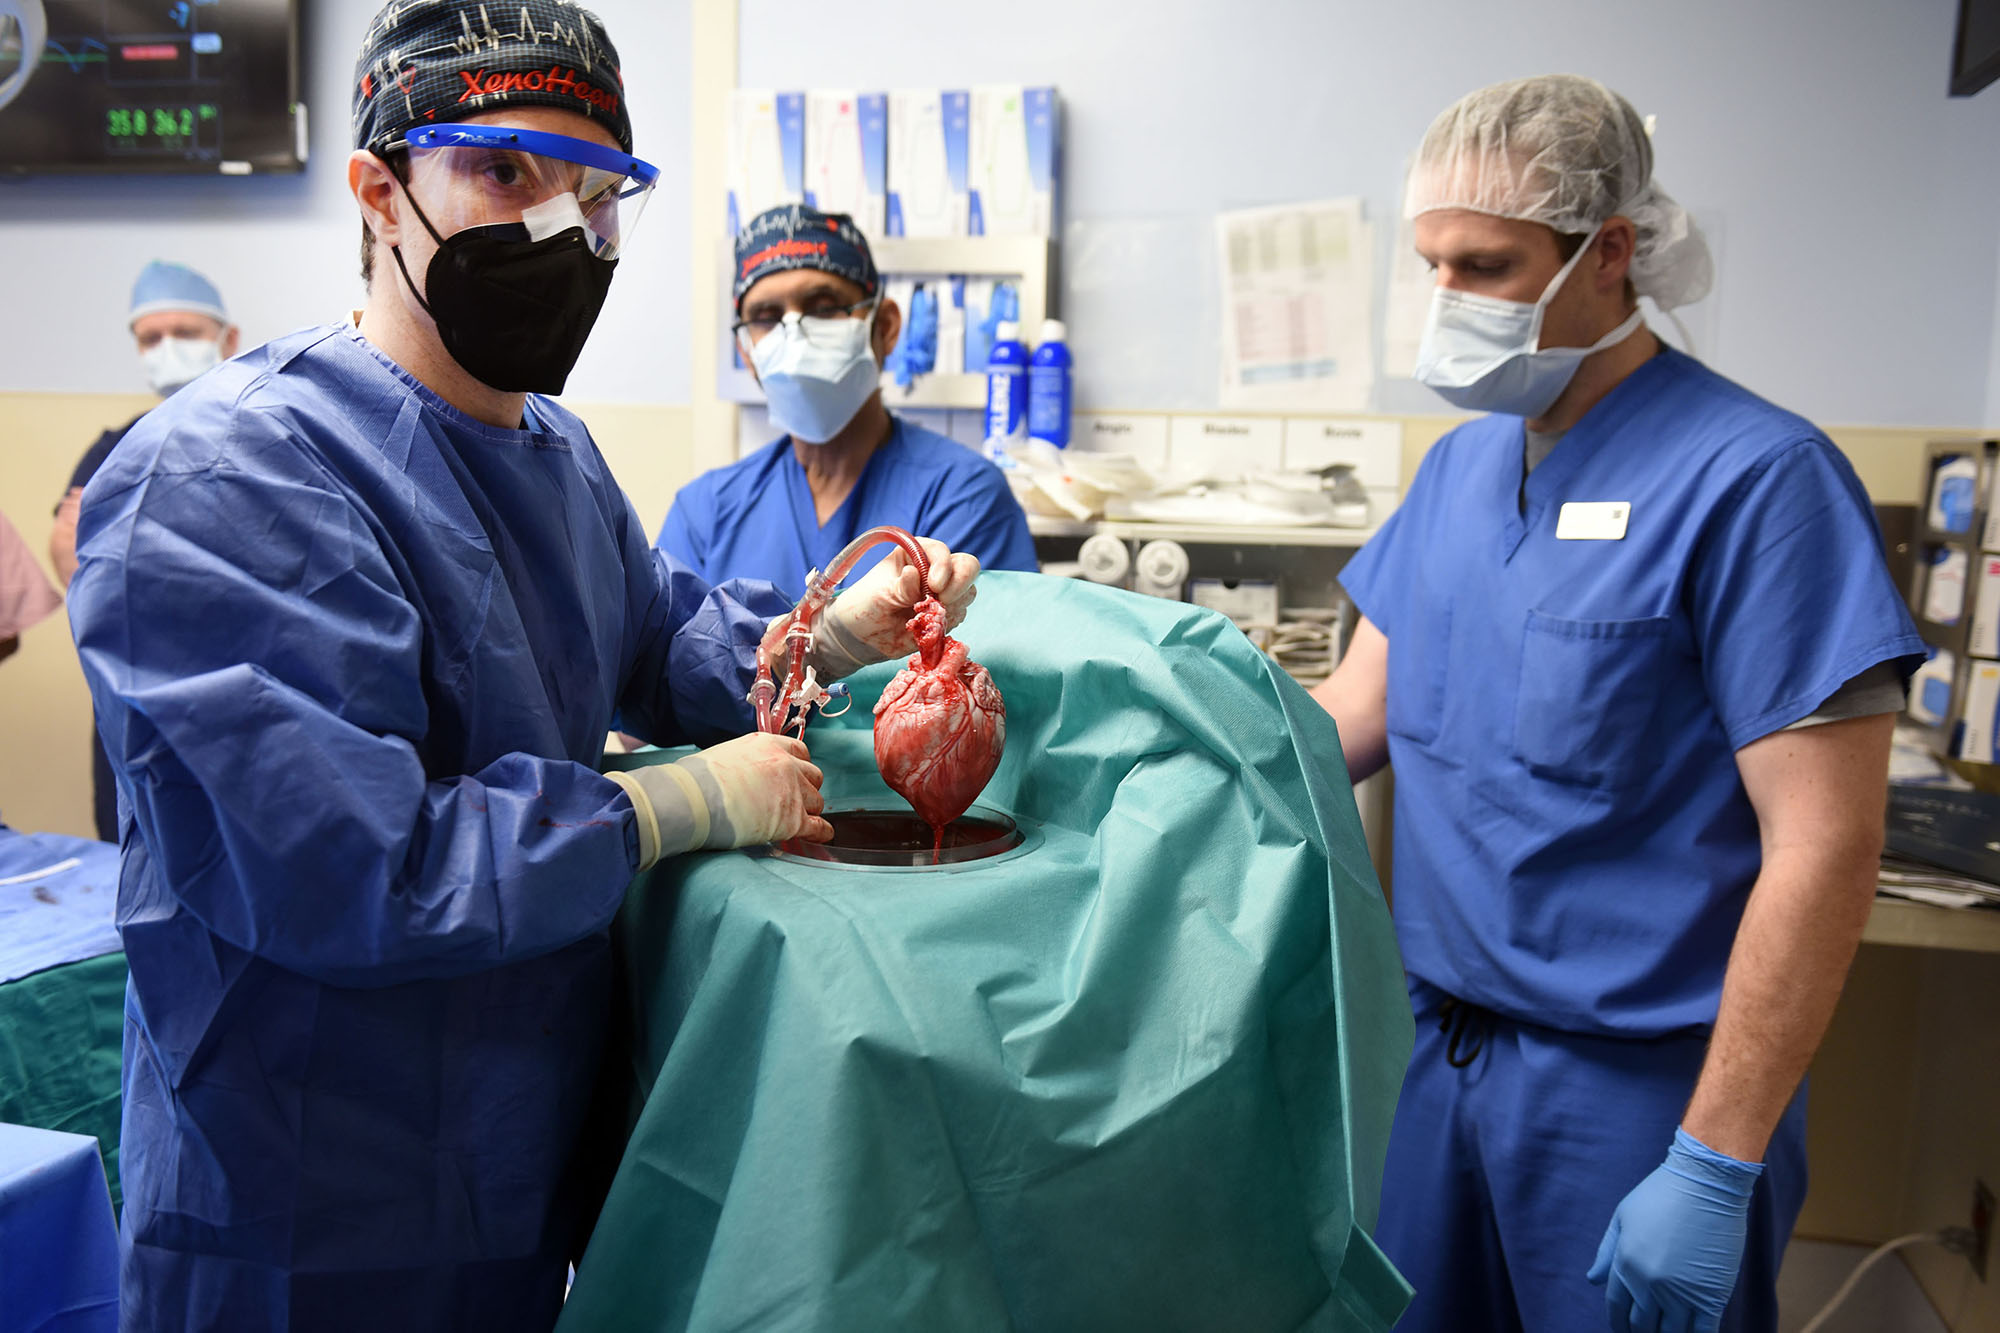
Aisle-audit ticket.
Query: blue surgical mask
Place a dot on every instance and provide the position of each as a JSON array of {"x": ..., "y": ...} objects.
[
  {"x": 816, "y": 374},
  {"x": 1483, "y": 353}
]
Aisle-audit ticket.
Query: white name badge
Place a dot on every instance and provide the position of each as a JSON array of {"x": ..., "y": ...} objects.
[{"x": 1597, "y": 522}]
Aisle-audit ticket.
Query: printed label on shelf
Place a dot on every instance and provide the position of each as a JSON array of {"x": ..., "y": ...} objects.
[
  {"x": 1143, "y": 437},
  {"x": 1374, "y": 447},
  {"x": 1227, "y": 446}
]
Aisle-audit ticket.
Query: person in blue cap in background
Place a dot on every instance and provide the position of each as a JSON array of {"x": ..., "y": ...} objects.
[
  {"x": 815, "y": 328},
  {"x": 1633, "y": 650},
  {"x": 357, "y": 610},
  {"x": 181, "y": 328}
]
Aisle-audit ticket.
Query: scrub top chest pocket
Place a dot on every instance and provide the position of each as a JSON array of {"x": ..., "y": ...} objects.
[
  {"x": 1418, "y": 658},
  {"x": 1590, "y": 691}
]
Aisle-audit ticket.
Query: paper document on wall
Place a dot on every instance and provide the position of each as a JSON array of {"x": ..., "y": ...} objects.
[
  {"x": 1411, "y": 283},
  {"x": 1298, "y": 306}
]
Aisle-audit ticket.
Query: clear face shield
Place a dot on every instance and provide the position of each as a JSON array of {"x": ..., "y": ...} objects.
[{"x": 465, "y": 176}]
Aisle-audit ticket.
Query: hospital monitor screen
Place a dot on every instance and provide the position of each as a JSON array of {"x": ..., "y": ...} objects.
[
  {"x": 1975, "y": 53},
  {"x": 150, "y": 86}
]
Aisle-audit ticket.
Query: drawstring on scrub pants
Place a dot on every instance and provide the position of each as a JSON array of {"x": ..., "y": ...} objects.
[{"x": 1468, "y": 1027}]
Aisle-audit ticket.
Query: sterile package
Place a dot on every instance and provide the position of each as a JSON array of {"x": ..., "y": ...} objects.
[
  {"x": 927, "y": 162},
  {"x": 951, "y": 324},
  {"x": 767, "y": 157},
  {"x": 1953, "y": 493},
  {"x": 903, "y": 366},
  {"x": 1979, "y": 738},
  {"x": 1016, "y": 149},
  {"x": 1985, "y": 638},
  {"x": 1057, "y": 484},
  {"x": 975, "y": 300},
  {"x": 847, "y": 148},
  {"x": 1944, "y": 591},
  {"x": 1930, "y": 688},
  {"x": 1992, "y": 536}
]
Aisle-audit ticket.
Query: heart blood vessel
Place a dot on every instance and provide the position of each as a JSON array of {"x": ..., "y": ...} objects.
[{"x": 940, "y": 726}]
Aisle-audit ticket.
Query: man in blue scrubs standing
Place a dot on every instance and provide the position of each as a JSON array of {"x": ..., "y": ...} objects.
[
  {"x": 1632, "y": 648},
  {"x": 814, "y": 327}
]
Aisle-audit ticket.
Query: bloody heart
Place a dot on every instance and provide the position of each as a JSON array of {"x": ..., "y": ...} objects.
[{"x": 940, "y": 726}]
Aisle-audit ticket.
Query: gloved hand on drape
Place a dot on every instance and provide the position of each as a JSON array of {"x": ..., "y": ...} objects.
[
  {"x": 1669, "y": 1259},
  {"x": 751, "y": 790}
]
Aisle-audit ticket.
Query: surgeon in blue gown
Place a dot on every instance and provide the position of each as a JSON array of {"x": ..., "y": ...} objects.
[
  {"x": 1632, "y": 649},
  {"x": 814, "y": 326},
  {"x": 356, "y": 610}
]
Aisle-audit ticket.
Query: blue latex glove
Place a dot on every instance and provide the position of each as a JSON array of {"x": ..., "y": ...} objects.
[
  {"x": 1669, "y": 1259},
  {"x": 1005, "y": 305},
  {"x": 916, "y": 351}
]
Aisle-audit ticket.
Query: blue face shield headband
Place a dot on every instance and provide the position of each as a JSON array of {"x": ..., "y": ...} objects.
[{"x": 491, "y": 175}]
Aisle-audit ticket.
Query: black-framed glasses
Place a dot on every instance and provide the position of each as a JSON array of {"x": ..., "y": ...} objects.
[{"x": 818, "y": 322}]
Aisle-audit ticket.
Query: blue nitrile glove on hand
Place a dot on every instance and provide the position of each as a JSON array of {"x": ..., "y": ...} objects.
[{"x": 1672, "y": 1251}]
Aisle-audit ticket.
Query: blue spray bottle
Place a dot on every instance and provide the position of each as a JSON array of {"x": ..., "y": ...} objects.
[
  {"x": 1006, "y": 390},
  {"x": 1049, "y": 386}
]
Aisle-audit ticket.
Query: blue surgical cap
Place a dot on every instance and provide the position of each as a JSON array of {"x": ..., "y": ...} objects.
[{"x": 164, "y": 286}]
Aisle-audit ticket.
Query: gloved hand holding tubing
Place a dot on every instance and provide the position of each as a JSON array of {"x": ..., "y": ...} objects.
[{"x": 870, "y": 622}]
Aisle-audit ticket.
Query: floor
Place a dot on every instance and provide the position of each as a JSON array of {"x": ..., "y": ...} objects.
[{"x": 1887, "y": 1301}]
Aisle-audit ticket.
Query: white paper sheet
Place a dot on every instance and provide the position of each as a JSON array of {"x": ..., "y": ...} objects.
[
  {"x": 1411, "y": 283},
  {"x": 1298, "y": 306}
]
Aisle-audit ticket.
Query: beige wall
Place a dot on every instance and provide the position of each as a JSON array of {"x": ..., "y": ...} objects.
[{"x": 44, "y": 707}]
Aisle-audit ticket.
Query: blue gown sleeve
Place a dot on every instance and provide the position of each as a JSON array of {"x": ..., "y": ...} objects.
[
  {"x": 1789, "y": 595},
  {"x": 257, "y": 674},
  {"x": 984, "y": 519}
]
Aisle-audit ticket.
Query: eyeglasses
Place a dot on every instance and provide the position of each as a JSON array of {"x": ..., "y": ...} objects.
[{"x": 815, "y": 322}]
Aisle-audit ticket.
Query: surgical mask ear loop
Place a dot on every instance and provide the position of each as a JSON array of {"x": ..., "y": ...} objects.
[
  {"x": 396, "y": 251},
  {"x": 1556, "y": 283}
]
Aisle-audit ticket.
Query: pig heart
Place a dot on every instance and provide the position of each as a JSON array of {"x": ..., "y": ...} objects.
[{"x": 940, "y": 726}]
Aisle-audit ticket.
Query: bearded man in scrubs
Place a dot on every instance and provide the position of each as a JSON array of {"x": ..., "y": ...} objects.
[
  {"x": 814, "y": 327},
  {"x": 356, "y": 611},
  {"x": 1633, "y": 651}
]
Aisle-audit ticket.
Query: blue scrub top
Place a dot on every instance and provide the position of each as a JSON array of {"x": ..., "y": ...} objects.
[
  {"x": 1573, "y": 843},
  {"x": 353, "y": 654},
  {"x": 755, "y": 518}
]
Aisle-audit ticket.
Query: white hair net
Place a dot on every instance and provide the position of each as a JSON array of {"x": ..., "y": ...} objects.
[{"x": 1569, "y": 153}]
